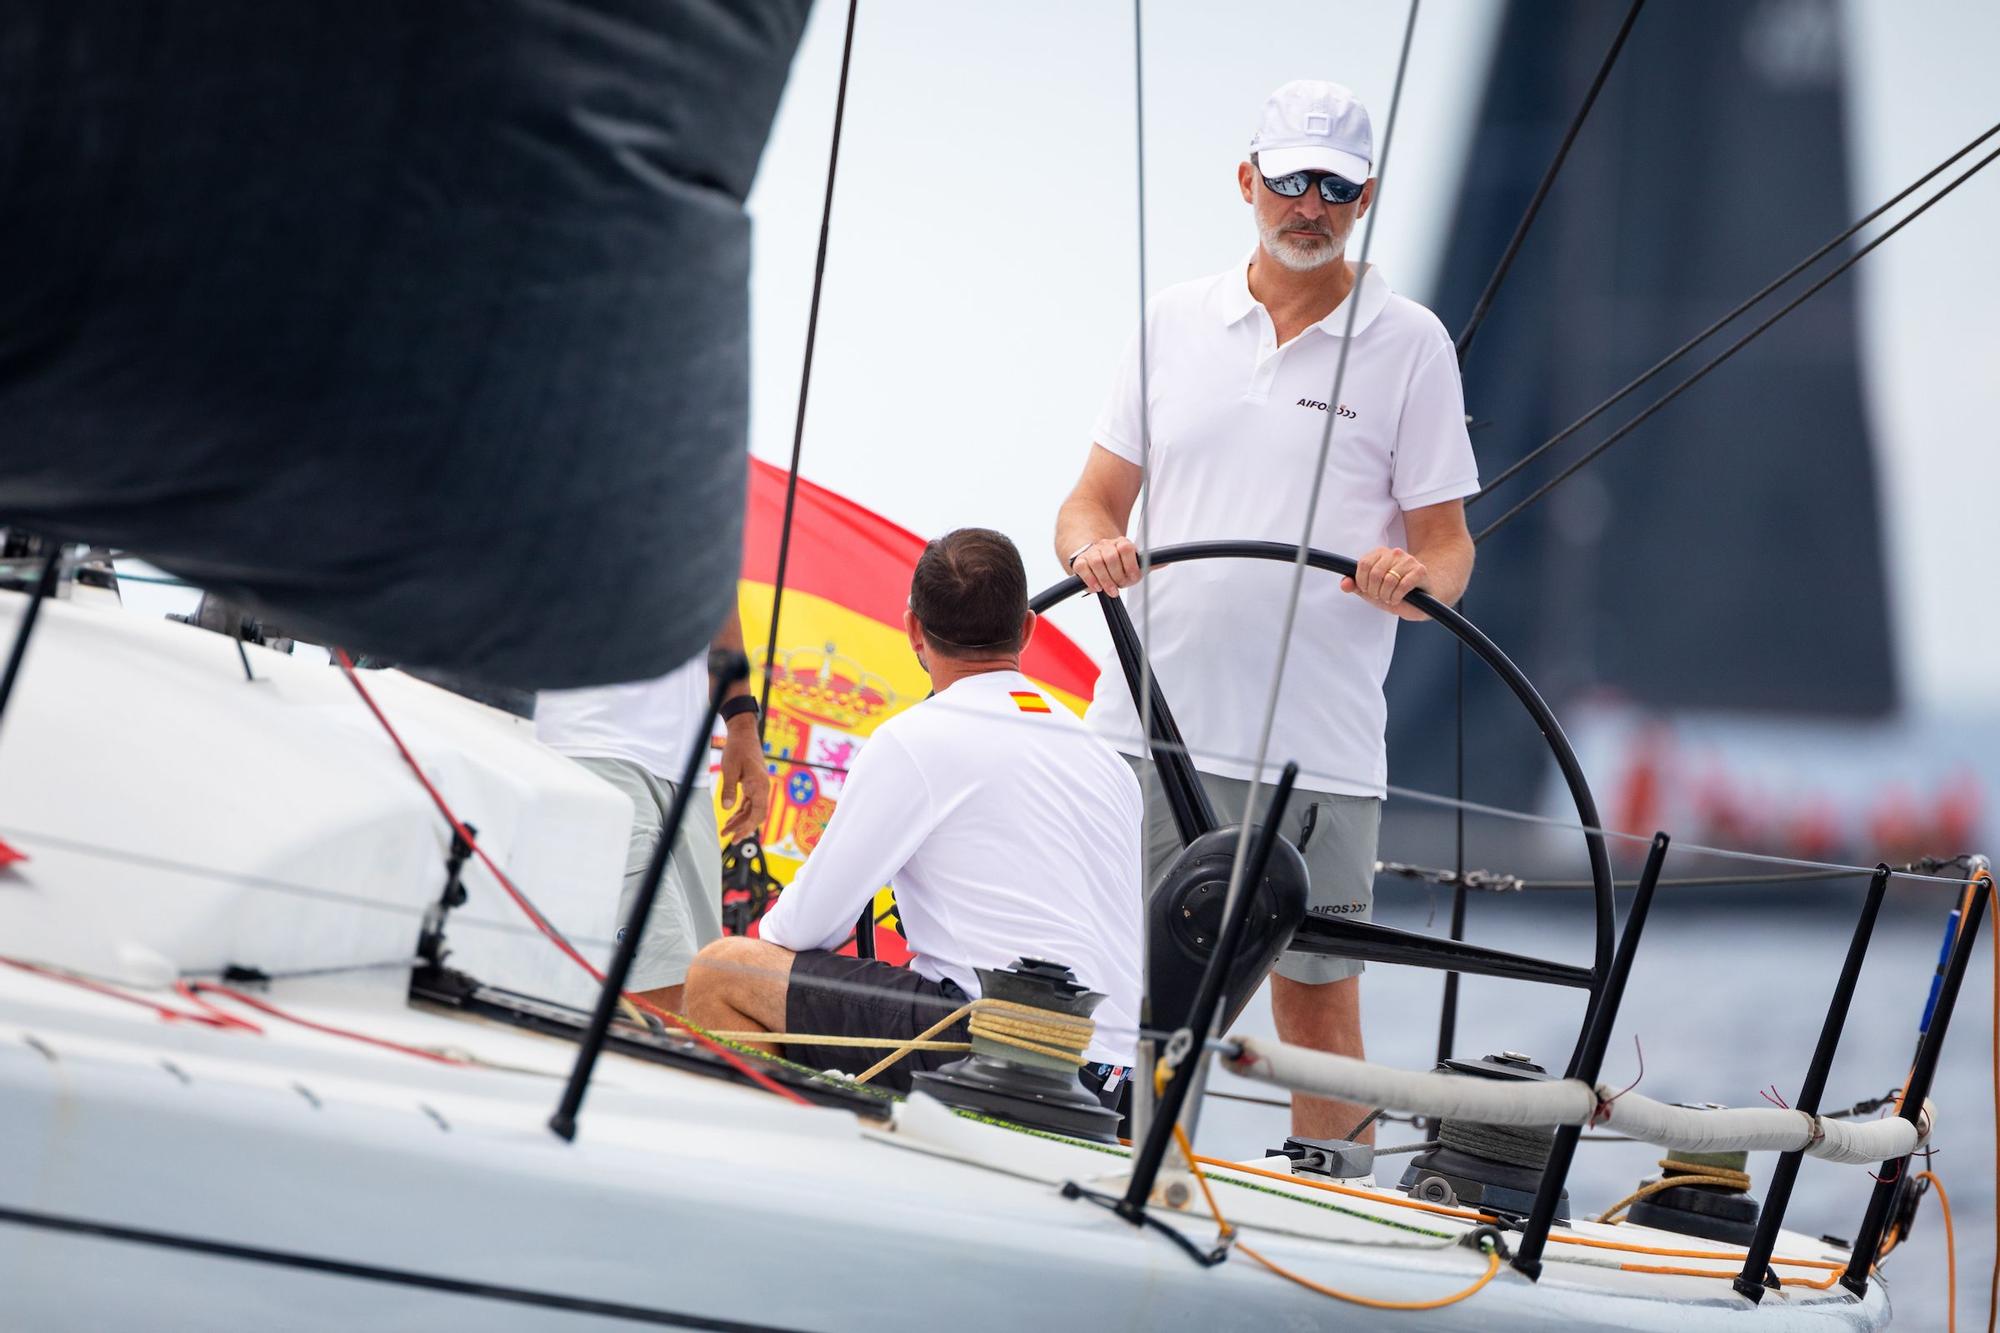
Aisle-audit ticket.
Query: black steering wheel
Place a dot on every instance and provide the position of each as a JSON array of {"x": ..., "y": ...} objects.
[{"x": 1194, "y": 816}]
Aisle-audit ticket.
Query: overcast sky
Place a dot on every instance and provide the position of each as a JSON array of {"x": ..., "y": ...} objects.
[{"x": 983, "y": 270}]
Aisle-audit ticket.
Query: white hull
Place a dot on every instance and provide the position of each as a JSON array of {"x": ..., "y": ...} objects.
[{"x": 292, "y": 1180}]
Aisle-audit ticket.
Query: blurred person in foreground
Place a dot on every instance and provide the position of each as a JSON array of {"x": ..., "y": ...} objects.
[
  {"x": 1239, "y": 394},
  {"x": 637, "y": 736}
]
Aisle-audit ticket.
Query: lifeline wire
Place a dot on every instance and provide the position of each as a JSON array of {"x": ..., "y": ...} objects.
[
  {"x": 1524, "y": 817},
  {"x": 1408, "y": 793},
  {"x": 1591, "y": 454},
  {"x": 805, "y": 372},
  {"x": 1515, "y": 467}
]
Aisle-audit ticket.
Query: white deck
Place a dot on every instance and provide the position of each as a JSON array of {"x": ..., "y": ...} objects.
[{"x": 353, "y": 1187}]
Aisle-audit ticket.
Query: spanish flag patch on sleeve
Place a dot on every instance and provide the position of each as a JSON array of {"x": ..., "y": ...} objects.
[{"x": 1028, "y": 701}]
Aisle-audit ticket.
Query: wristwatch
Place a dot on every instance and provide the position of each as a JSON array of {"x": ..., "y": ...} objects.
[{"x": 738, "y": 706}]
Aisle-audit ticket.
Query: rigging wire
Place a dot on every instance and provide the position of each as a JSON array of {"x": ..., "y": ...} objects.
[
  {"x": 267, "y": 883},
  {"x": 1407, "y": 793},
  {"x": 1490, "y": 882},
  {"x": 1507, "y": 257},
  {"x": 1594, "y": 451},
  {"x": 1515, "y": 467},
  {"x": 1448, "y": 1019},
  {"x": 805, "y": 372},
  {"x": 1240, "y": 860},
  {"x": 1142, "y": 1096}
]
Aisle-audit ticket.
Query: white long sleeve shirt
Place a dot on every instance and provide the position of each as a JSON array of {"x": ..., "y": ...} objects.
[{"x": 1007, "y": 830}]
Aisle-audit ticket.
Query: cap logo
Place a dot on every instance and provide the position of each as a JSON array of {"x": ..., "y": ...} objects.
[{"x": 1318, "y": 122}]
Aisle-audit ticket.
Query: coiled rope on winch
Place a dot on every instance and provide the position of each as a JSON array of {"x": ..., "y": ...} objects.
[
  {"x": 1021, "y": 1026},
  {"x": 1516, "y": 1145},
  {"x": 1679, "y": 1173}
]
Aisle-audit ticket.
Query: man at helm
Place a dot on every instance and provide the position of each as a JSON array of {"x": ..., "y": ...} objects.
[
  {"x": 1007, "y": 830},
  {"x": 1239, "y": 389}
]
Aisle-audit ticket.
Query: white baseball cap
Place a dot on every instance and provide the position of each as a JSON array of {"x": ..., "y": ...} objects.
[{"x": 1312, "y": 125}]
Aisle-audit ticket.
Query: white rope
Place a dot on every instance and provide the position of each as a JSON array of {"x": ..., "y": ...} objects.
[{"x": 1574, "y": 1102}]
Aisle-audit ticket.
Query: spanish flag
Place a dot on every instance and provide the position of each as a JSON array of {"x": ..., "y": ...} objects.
[{"x": 843, "y": 665}]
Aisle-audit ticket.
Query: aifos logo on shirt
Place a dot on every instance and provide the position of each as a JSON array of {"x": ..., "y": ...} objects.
[{"x": 1343, "y": 410}]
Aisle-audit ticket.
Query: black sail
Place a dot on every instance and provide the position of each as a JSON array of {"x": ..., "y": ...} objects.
[
  {"x": 1729, "y": 554},
  {"x": 419, "y": 327}
]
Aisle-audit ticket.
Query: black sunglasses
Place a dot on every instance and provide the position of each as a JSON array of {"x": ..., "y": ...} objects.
[{"x": 1334, "y": 189}]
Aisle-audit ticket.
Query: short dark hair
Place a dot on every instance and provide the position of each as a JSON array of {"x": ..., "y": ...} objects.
[{"x": 970, "y": 594}]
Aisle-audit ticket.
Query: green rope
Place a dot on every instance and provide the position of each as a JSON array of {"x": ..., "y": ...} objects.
[{"x": 806, "y": 1071}]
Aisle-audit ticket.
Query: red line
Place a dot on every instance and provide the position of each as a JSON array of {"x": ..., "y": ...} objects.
[
  {"x": 193, "y": 991},
  {"x": 542, "y": 923},
  {"x": 166, "y": 1013}
]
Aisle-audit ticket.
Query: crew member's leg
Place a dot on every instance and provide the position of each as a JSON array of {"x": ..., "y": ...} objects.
[
  {"x": 1316, "y": 1001},
  {"x": 687, "y": 910},
  {"x": 737, "y": 984}
]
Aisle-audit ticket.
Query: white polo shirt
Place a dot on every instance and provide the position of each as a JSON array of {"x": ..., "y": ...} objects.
[
  {"x": 1008, "y": 831},
  {"x": 1235, "y": 425},
  {"x": 652, "y": 723}
]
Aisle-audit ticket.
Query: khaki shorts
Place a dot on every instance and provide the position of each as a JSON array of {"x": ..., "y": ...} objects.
[
  {"x": 687, "y": 911},
  {"x": 1336, "y": 835}
]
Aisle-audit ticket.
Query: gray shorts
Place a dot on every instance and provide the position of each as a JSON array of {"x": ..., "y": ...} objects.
[
  {"x": 687, "y": 911},
  {"x": 1336, "y": 834}
]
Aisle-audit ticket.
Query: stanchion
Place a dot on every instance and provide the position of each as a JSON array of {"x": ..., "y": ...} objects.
[
  {"x": 1750, "y": 1282},
  {"x": 1604, "y": 1014}
]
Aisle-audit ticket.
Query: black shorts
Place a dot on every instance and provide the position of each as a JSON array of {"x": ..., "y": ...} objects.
[{"x": 838, "y": 996}]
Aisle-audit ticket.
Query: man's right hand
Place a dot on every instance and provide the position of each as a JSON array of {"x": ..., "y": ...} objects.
[{"x": 1107, "y": 564}]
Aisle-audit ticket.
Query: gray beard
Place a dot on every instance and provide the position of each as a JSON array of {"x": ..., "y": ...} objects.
[{"x": 1300, "y": 258}]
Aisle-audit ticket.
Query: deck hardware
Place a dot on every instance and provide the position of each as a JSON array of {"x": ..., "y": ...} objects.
[
  {"x": 430, "y": 937},
  {"x": 1012, "y": 1083},
  {"x": 1494, "y": 1168}
]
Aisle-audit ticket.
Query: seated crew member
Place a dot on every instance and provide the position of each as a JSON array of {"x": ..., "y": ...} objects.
[{"x": 1007, "y": 829}]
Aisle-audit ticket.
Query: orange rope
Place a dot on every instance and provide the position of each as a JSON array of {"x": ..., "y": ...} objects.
[
  {"x": 1368, "y": 1302},
  {"x": 1469, "y": 1216},
  {"x": 1817, "y": 1285},
  {"x": 1950, "y": 1249}
]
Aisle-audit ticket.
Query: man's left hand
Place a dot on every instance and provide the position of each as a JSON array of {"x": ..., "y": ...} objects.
[
  {"x": 746, "y": 786},
  {"x": 1385, "y": 577}
]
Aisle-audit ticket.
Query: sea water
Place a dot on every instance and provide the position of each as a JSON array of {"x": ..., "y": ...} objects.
[{"x": 1726, "y": 998}]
